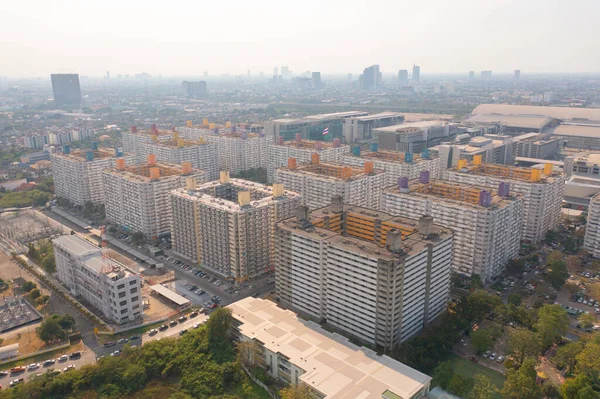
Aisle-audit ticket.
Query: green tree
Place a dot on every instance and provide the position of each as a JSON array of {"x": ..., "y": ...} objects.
[
  {"x": 558, "y": 274},
  {"x": 522, "y": 343},
  {"x": 134, "y": 377},
  {"x": 588, "y": 360},
  {"x": 460, "y": 385},
  {"x": 516, "y": 265},
  {"x": 586, "y": 320},
  {"x": 248, "y": 352},
  {"x": 218, "y": 327},
  {"x": 570, "y": 389},
  {"x": 295, "y": 392},
  {"x": 481, "y": 340},
  {"x": 66, "y": 321},
  {"x": 566, "y": 355},
  {"x": 551, "y": 391},
  {"x": 587, "y": 392},
  {"x": 43, "y": 299},
  {"x": 35, "y": 293},
  {"x": 50, "y": 331},
  {"x": 443, "y": 374},
  {"x": 475, "y": 283},
  {"x": 552, "y": 324},
  {"x": 482, "y": 388},
  {"x": 28, "y": 286},
  {"x": 514, "y": 299},
  {"x": 521, "y": 383}
]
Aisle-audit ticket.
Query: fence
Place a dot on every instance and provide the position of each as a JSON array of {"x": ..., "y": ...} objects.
[{"x": 28, "y": 355}]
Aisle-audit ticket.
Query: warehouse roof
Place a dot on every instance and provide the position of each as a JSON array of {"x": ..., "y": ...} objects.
[
  {"x": 577, "y": 131},
  {"x": 552, "y": 112},
  {"x": 522, "y": 121},
  {"x": 333, "y": 366},
  {"x": 170, "y": 295}
]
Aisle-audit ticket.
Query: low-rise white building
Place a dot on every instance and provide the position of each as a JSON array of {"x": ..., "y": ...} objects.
[
  {"x": 99, "y": 280},
  {"x": 302, "y": 353},
  {"x": 592, "y": 229}
]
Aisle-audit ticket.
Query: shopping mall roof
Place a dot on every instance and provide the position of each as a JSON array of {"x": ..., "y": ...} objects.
[
  {"x": 565, "y": 113},
  {"x": 519, "y": 121}
]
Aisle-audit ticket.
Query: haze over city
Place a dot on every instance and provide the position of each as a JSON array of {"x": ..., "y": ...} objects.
[{"x": 187, "y": 38}]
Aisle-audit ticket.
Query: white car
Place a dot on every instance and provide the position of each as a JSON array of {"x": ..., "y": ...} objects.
[
  {"x": 63, "y": 358},
  {"x": 492, "y": 356},
  {"x": 500, "y": 359},
  {"x": 33, "y": 366},
  {"x": 486, "y": 354}
]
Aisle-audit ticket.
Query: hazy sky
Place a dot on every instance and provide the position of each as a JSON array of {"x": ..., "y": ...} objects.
[{"x": 39, "y": 37}]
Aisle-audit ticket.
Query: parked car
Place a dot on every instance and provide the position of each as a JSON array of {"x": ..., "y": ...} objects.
[
  {"x": 492, "y": 356},
  {"x": 173, "y": 323},
  {"x": 63, "y": 358},
  {"x": 163, "y": 327},
  {"x": 487, "y": 353},
  {"x": 69, "y": 368},
  {"x": 193, "y": 314},
  {"x": 462, "y": 342},
  {"x": 134, "y": 337},
  {"x": 16, "y": 381},
  {"x": 154, "y": 331},
  {"x": 33, "y": 366},
  {"x": 182, "y": 319},
  {"x": 75, "y": 355},
  {"x": 3, "y": 373},
  {"x": 49, "y": 362},
  {"x": 116, "y": 353},
  {"x": 18, "y": 369},
  {"x": 109, "y": 344},
  {"x": 123, "y": 341},
  {"x": 500, "y": 359},
  {"x": 182, "y": 332}
]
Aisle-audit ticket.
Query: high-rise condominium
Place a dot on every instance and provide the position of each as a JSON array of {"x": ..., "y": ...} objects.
[
  {"x": 66, "y": 89},
  {"x": 371, "y": 275},
  {"x": 228, "y": 225}
]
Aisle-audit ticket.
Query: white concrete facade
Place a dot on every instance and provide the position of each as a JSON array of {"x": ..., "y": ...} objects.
[
  {"x": 591, "y": 241},
  {"x": 103, "y": 283}
]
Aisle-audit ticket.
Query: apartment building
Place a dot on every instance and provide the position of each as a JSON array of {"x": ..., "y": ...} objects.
[
  {"x": 317, "y": 182},
  {"x": 310, "y": 127},
  {"x": 78, "y": 173},
  {"x": 228, "y": 225},
  {"x": 492, "y": 149},
  {"x": 137, "y": 197},
  {"x": 358, "y": 128},
  {"x": 414, "y": 136},
  {"x": 591, "y": 241},
  {"x": 541, "y": 191},
  {"x": 486, "y": 222},
  {"x": 300, "y": 352},
  {"x": 377, "y": 277},
  {"x": 98, "y": 279},
  {"x": 368, "y": 274},
  {"x": 395, "y": 164},
  {"x": 279, "y": 152},
  {"x": 536, "y": 145},
  {"x": 169, "y": 147}
]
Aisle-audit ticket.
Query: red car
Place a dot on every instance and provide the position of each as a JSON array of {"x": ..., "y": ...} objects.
[{"x": 214, "y": 305}]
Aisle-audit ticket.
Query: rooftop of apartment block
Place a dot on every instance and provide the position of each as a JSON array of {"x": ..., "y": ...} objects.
[
  {"x": 229, "y": 194},
  {"x": 321, "y": 117},
  {"x": 146, "y": 172},
  {"x": 310, "y": 145},
  {"x": 410, "y": 126},
  {"x": 533, "y": 175},
  {"x": 332, "y": 365},
  {"x": 454, "y": 193},
  {"x": 331, "y": 171},
  {"x": 366, "y": 230},
  {"x": 87, "y": 155},
  {"x": 394, "y": 156}
]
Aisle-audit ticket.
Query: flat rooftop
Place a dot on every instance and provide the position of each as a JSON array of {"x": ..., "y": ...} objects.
[
  {"x": 141, "y": 172},
  {"x": 152, "y": 132},
  {"x": 332, "y": 171},
  {"x": 507, "y": 172},
  {"x": 359, "y": 235},
  {"x": 321, "y": 117},
  {"x": 410, "y": 125},
  {"x": 310, "y": 145},
  {"x": 381, "y": 115},
  {"x": 459, "y": 194},
  {"x": 170, "y": 295},
  {"x": 333, "y": 366},
  {"x": 566, "y": 113},
  {"x": 389, "y": 156},
  {"x": 260, "y": 195},
  {"x": 522, "y": 121},
  {"x": 79, "y": 155}
]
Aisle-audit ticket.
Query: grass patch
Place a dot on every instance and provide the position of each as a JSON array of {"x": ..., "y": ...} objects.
[
  {"x": 257, "y": 392},
  {"x": 468, "y": 368}
]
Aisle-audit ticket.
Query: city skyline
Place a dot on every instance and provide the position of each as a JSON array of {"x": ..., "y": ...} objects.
[{"x": 141, "y": 38}]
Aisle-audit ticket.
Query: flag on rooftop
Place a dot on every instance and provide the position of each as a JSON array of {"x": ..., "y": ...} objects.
[{"x": 325, "y": 131}]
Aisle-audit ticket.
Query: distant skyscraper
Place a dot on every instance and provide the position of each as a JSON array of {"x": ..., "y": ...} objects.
[
  {"x": 285, "y": 72},
  {"x": 205, "y": 73},
  {"x": 416, "y": 76},
  {"x": 194, "y": 89},
  {"x": 517, "y": 74},
  {"x": 349, "y": 77},
  {"x": 486, "y": 75},
  {"x": 66, "y": 89},
  {"x": 403, "y": 77},
  {"x": 370, "y": 78},
  {"x": 471, "y": 75},
  {"x": 316, "y": 80},
  {"x": 275, "y": 71}
]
